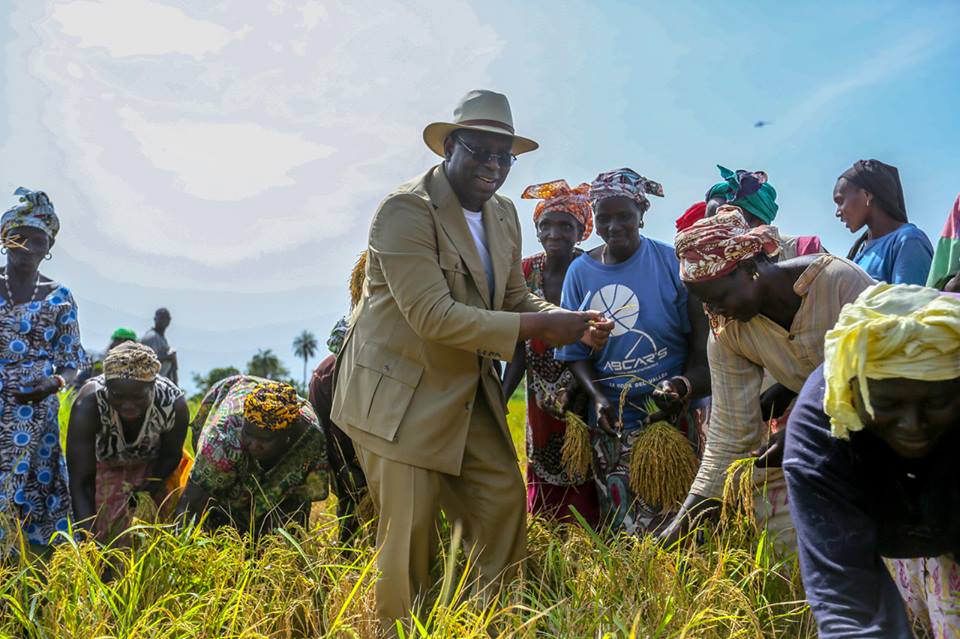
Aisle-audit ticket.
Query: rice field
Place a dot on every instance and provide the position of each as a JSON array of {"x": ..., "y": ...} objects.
[{"x": 174, "y": 582}]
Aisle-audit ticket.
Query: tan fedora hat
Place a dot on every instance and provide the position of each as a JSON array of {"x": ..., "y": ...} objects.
[{"x": 478, "y": 110}]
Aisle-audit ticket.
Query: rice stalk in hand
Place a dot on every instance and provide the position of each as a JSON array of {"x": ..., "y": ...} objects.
[
  {"x": 662, "y": 464},
  {"x": 738, "y": 493},
  {"x": 576, "y": 455}
]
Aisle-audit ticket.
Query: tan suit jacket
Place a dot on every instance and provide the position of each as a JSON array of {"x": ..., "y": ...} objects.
[{"x": 426, "y": 332}]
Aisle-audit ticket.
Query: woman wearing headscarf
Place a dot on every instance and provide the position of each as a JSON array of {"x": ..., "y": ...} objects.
[
  {"x": 40, "y": 354},
  {"x": 765, "y": 314},
  {"x": 655, "y": 352},
  {"x": 261, "y": 456},
  {"x": 892, "y": 249},
  {"x": 945, "y": 269},
  {"x": 751, "y": 193},
  {"x": 871, "y": 467},
  {"x": 125, "y": 436},
  {"x": 563, "y": 218}
]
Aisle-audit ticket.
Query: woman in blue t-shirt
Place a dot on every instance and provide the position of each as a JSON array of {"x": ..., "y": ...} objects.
[
  {"x": 892, "y": 250},
  {"x": 656, "y": 350}
]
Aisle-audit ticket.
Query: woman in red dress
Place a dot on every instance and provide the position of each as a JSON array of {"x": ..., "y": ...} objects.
[{"x": 563, "y": 219}]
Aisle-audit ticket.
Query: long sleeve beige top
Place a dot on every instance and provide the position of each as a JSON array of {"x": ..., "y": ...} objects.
[{"x": 742, "y": 350}]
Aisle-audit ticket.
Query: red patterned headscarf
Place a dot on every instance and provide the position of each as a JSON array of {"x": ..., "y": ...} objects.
[
  {"x": 558, "y": 196},
  {"x": 713, "y": 247}
]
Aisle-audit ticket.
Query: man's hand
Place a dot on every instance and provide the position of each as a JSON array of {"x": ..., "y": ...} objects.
[
  {"x": 49, "y": 386},
  {"x": 599, "y": 332},
  {"x": 561, "y": 327}
]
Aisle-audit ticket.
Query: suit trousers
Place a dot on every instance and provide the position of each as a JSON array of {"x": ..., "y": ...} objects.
[{"x": 488, "y": 498}]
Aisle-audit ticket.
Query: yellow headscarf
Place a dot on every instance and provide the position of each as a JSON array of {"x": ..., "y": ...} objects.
[
  {"x": 272, "y": 405},
  {"x": 131, "y": 360},
  {"x": 890, "y": 331}
]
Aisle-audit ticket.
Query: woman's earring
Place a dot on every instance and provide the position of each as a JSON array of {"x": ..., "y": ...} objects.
[
  {"x": 756, "y": 276},
  {"x": 3, "y": 251},
  {"x": 48, "y": 256}
]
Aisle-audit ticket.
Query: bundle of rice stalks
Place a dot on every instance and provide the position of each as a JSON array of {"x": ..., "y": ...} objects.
[
  {"x": 662, "y": 464},
  {"x": 576, "y": 455},
  {"x": 738, "y": 492}
]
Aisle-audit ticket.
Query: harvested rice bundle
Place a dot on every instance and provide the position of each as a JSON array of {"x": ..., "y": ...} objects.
[
  {"x": 662, "y": 464},
  {"x": 738, "y": 491},
  {"x": 576, "y": 454},
  {"x": 357, "y": 277}
]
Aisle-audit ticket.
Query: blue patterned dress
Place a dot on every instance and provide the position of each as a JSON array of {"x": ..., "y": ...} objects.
[{"x": 37, "y": 339}]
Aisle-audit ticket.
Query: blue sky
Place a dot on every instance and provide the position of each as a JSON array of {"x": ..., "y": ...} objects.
[{"x": 224, "y": 158}]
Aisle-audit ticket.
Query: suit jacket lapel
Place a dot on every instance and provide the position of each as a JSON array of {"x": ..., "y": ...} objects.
[
  {"x": 454, "y": 224},
  {"x": 494, "y": 223}
]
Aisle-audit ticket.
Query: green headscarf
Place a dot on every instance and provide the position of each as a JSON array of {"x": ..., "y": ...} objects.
[
  {"x": 749, "y": 190},
  {"x": 124, "y": 333}
]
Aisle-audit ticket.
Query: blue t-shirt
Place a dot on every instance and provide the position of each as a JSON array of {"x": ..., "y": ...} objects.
[
  {"x": 648, "y": 303},
  {"x": 901, "y": 257}
]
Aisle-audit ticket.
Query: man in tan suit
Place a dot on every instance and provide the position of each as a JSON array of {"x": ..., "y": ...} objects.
[{"x": 416, "y": 388}]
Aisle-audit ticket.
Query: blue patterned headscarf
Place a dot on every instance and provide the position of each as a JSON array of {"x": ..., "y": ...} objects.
[{"x": 34, "y": 209}]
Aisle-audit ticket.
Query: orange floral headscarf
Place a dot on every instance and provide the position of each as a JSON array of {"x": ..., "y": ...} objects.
[{"x": 558, "y": 196}]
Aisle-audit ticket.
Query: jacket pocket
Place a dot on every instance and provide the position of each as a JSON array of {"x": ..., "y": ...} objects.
[
  {"x": 455, "y": 272},
  {"x": 379, "y": 390}
]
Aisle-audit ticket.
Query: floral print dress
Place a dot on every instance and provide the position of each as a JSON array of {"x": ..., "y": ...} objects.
[
  {"x": 551, "y": 391},
  {"x": 37, "y": 339},
  {"x": 223, "y": 469}
]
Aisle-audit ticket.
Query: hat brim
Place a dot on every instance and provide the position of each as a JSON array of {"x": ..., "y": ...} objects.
[{"x": 436, "y": 134}]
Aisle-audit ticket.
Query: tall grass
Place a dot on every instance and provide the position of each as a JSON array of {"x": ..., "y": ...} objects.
[{"x": 185, "y": 582}]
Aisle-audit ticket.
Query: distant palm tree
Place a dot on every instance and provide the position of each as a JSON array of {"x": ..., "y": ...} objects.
[
  {"x": 265, "y": 363},
  {"x": 305, "y": 347}
]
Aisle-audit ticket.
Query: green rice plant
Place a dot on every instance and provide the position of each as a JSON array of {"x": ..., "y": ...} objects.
[{"x": 165, "y": 581}]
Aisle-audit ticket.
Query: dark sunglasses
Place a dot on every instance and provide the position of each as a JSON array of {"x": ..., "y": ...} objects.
[{"x": 483, "y": 156}]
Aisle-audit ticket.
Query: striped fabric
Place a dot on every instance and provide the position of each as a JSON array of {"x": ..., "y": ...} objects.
[{"x": 743, "y": 350}]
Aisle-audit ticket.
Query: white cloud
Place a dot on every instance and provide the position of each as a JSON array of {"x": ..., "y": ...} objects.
[
  {"x": 196, "y": 150},
  {"x": 140, "y": 27},
  {"x": 227, "y": 162}
]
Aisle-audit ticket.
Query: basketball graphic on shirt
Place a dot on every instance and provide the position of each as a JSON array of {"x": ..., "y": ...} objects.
[{"x": 619, "y": 303}]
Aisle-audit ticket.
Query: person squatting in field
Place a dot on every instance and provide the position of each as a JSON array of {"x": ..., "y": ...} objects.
[
  {"x": 261, "y": 457},
  {"x": 764, "y": 314},
  {"x": 125, "y": 436},
  {"x": 871, "y": 468}
]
